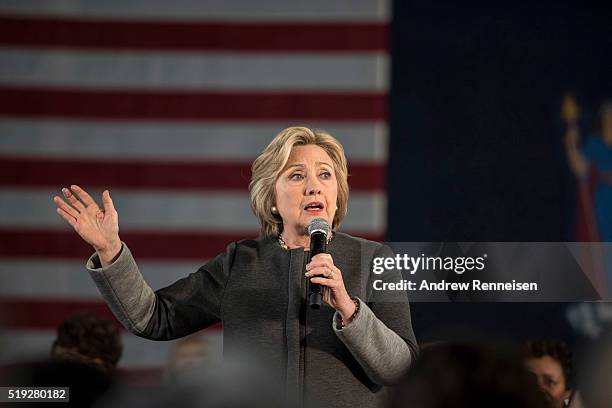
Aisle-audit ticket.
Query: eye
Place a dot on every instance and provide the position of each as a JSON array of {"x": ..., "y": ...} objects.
[
  {"x": 549, "y": 382},
  {"x": 326, "y": 175},
  {"x": 296, "y": 176}
]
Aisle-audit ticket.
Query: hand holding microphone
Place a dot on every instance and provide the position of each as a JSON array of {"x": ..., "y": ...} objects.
[
  {"x": 326, "y": 281},
  {"x": 319, "y": 230}
]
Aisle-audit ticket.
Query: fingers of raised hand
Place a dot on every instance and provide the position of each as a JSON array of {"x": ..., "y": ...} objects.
[
  {"x": 108, "y": 202},
  {"x": 83, "y": 195},
  {"x": 65, "y": 215},
  {"x": 73, "y": 199},
  {"x": 65, "y": 207}
]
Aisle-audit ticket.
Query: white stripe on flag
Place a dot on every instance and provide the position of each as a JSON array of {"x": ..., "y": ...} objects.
[
  {"x": 57, "y": 278},
  {"x": 192, "y": 71},
  {"x": 235, "y": 10},
  {"x": 167, "y": 141}
]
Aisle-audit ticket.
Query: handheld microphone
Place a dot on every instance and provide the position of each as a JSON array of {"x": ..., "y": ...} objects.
[{"x": 318, "y": 229}]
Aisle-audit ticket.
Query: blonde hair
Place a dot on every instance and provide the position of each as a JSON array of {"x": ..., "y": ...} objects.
[{"x": 268, "y": 166}]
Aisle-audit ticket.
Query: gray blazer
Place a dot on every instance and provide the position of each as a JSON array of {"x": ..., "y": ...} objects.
[{"x": 257, "y": 290}]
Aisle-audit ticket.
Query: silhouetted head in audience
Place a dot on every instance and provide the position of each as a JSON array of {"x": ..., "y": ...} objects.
[
  {"x": 467, "y": 375},
  {"x": 88, "y": 339},
  {"x": 551, "y": 361}
]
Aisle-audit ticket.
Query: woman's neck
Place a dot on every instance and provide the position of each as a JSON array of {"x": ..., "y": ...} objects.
[{"x": 293, "y": 239}]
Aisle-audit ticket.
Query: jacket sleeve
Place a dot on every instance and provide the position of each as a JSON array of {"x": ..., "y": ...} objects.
[
  {"x": 188, "y": 305},
  {"x": 380, "y": 337}
]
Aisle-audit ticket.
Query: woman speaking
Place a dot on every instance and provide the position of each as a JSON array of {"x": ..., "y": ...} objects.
[{"x": 341, "y": 355}]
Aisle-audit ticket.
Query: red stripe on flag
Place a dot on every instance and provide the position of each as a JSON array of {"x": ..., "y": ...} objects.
[
  {"x": 151, "y": 245},
  {"x": 185, "y": 105},
  {"x": 36, "y": 172},
  {"x": 45, "y": 314},
  {"x": 190, "y": 36},
  {"x": 143, "y": 245}
]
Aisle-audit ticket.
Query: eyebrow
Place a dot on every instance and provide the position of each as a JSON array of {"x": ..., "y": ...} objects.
[{"x": 302, "y": 165}]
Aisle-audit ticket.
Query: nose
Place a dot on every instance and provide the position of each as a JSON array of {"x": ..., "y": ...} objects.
[
  {"x": 313, "y": 191},
  {"x": 313, "y": 187},
  {"x": 542, "y": 385}
]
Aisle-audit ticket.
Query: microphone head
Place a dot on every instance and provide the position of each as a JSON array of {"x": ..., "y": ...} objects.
[{"x": 318, "y": 225}]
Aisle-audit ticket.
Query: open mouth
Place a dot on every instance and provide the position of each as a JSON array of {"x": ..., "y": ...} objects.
[{"x": 314, "y": 207}]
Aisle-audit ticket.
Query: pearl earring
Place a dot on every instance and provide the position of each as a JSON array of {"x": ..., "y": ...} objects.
[{"x": 274, "y": 210}]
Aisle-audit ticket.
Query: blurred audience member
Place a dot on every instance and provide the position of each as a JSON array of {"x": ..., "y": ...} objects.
[
  {"x": 552, "y": 363},
  {"x": 86, "y": 384},
  {"x": 88, "y": 339},
  {"x": 465, "y": 375},
  {"x": 187, "y": 354},
  {"x": 239, "y": 381},
  {"x": 86, "y": 350}
]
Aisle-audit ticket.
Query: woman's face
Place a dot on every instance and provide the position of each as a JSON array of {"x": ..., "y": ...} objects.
[
  {"x": 306, "y": 189},
  {"x": 550, "y": 378}
]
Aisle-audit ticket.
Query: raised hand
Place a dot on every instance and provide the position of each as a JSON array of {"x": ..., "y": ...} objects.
[{"x": 98, "y": 227}]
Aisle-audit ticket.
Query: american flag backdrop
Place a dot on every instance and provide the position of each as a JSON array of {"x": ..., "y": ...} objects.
[{"x": 166, "y": 104}]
